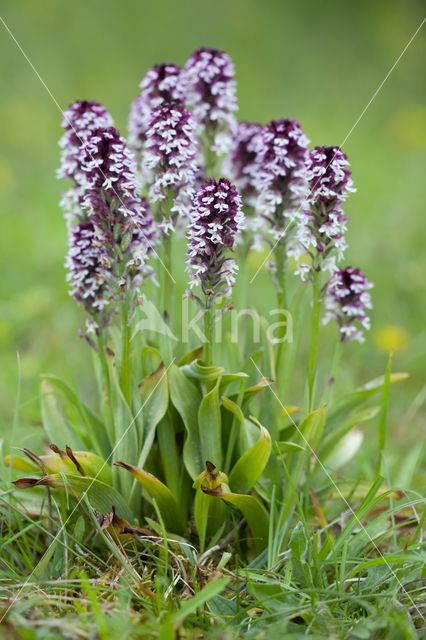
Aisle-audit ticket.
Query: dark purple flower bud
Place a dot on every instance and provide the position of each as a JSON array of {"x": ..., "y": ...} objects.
[
  {"x": 216, "y": 219},
  {"x": 162, "y": 83},
  {"x": 241, "y": 162},
  {"x": 211, "y": 93},
  {"x": 323, "y": 223},
  {"x": 170, "y": 156},
  {"x": 89, "y": 269},
  {"x": 280, "y": 176},
  {"x": 346, "y": 301}
]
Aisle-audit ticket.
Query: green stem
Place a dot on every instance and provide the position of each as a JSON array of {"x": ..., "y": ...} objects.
[
  {"x": 106, "y": 389},
  {"x": 281, "y": 296},
  {"x": 234, "y": 429},
  {"x": 168, "y": 291},
  {"x": 334, "y": 369},
  {"x": 208, "y": 332},
  {"x": 210, "y": 157},
  {"x": 125, "y": 354},
  {"x": 286, "y": 358},
  {"x": 316, "y": 312}
]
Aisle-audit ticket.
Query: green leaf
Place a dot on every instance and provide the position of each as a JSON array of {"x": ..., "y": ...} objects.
[
  {"x": 331, "y": 440},
  {"x": 309, "y": 434},
  {"x": 252, "y": 391},
  {"x": 151, "y": 358},
  {"x": 186, "y": 399},
  {"x": 54, "y": 422},
  {"x": 255, "y": 514},
  {"x": 312, "y": 427},
  {"x": 227, "y": 378},
  {"x": 212, "y": 589},
  {"x": 233, "y": 407},
  {"x": 299, "y": 545},
  {"x": 154, "y": 392},
  {"x": 100, "y": 495},
  {"x": 200, "y": 371},
  {"x": 210, "y": 427},
  {"x": 251, "y": 464},
  {"x": 223, "y": 607},
  {"x": 192, "y": 355},
  {"x": 248, "y": 431},
  {"x": 92, "y": 465},
  {"x": 383, "y": 417},
  {"x": 95, "y": 428},
  {"x": 387, "y": 560},
  {"x": 170, "y": 455},
  {"x": 20, "y": 463},
  {"x": 286, "y": 446},
  {"x": 209, "y": 513},
  {"x": 201, "y": 513},
  {"x": 44, "y": 565},
  {"x": 359, "y": 514},
  {"x": 126, "y": 437},
  {"x": 157, "y": 490},
  {"x": 363, "y": 393}
]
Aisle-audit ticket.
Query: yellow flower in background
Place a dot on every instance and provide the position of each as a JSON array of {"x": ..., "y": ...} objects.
[{"x": 391, "y": 338}]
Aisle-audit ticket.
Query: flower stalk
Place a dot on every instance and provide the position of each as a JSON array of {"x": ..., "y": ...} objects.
[
  {"x": 125, "y": 353},
  {"x": 313, "y": 353}
]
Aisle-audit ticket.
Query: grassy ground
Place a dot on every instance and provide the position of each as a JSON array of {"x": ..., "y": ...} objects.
[{"x": 318, "y": 62}]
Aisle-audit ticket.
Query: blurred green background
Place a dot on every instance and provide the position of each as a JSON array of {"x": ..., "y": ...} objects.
[{"x": 320, "y": 62}]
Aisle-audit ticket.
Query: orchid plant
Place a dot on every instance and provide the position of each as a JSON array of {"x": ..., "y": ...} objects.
[{"x": 180, "y": 439}]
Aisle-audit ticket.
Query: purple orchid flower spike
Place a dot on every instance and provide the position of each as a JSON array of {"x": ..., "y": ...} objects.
[
  {"x": 216, "y": 220},
  {"x": 170, "y": 156},
  {"x": 211, "y": 94},
  {"x": 321, "y": 232},
  {"x": 280, "y": 176},
  {"x": 162, "y": 83},
  {"x": 347, "y": 300}
]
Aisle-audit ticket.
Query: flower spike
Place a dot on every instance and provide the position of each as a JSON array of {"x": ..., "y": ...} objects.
[
  {"x": 162, "y": 83},
  {"x": 114, "y": 234},
  {"x": 170, "y": 155},
  {"x": 323, "y": 223},
  {"x": 211, "y": 93},
  {"x": 280, "y": 175},
  {"x": 80, "y": 120},
  {"x": 216, "y": 219},
  {"x": 346, "y": 301}
]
